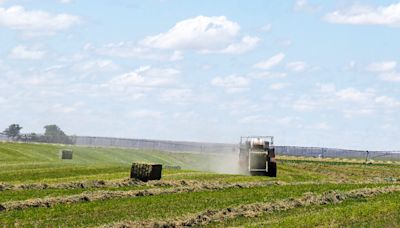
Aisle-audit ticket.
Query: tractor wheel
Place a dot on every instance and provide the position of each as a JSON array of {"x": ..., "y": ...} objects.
[{"x": 272, "y": 169}]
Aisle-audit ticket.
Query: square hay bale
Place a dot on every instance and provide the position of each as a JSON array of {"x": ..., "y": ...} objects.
[
  {"x": 146, "y": 172},
  {"x": 66, "y": 154}
]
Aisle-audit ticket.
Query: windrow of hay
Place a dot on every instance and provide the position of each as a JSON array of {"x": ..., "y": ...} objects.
[
  {"x": 91, "y": 184},
  {"x": 183, "y": 186},
  {"x": 257, "y": 209}
]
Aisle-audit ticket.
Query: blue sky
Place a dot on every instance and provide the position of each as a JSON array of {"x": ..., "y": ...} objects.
[{"x": 311, "y": 73}]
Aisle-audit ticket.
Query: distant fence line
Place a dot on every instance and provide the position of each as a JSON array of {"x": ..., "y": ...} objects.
[
  {"x": 337, "y": 153},
  {"x": 205, "y": 147},
  {"x": 164, "y": 145}
]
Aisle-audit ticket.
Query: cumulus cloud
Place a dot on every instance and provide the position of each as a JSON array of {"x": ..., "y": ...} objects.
[
  {"x": 23, "y": 52},
  {"x": 390, "y": 76},
  {"x": 304, "y": 5},
  {"x": 364, "y": 15},
  {"x": 271, "y": 62},
  {"x": 146, "y": 76},
  {"x": 386, "y": 70},
  {"x": 297, "y": 66},
  {"x": 354, "y": 95},
  {"x": 278, "y": 86},
  {"x": 247, "y": 43},
  {"x": 382, "y": 66},
  {"x": 132, "y": 50},
  {"x": 231, "y": 83},
  {"x": 95, "y": 66},
  {"x": 204, "y": 34},
  {"x": 36, "y": 22}
]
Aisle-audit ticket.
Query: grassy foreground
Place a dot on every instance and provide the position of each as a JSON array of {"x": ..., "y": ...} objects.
[{"x": 22, "y": 164}]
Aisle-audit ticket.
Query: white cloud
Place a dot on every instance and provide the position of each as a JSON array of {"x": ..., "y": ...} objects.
[
  {"x": 386, "y": 70},
  {"x": 36, "y": 22},
  {"x": 364, "y": 15},
  {"x": 146, "y": 77},
  {"x": 61, "y": 108},
  {"x": 305, "y": 104},
  {"x": 204, "y": 34},
  {"x": 297, "y": 66},
  {"x": 95, "y": 66},
  {"x": 267, "y": 74},
  {"x": 354, "y": 95},
  {"x": 132, "y": 50},
  {"x": 326, "y": 88},
  {"x": 199, "y": 33},
  {"x": 65, "y": 1},
  {"x": 304, "y": 5},
  {"x": 278, "y": 86},
  {"x": 144, "y": 113},
  {"x": 382, "y": 66},
  {"x": 231, "y": 83},
  {"x": 22, "y": 52},
  {"x": 387, "y": 101},
  {"x": 247, "y": 43},
  {"x": 253, "y": 119},
  {"x": 390, "y": 76},
  {"x": 266, "y": 28},
  {"x": 321, "y": 126},
  {"x": 271, "y": 62}
]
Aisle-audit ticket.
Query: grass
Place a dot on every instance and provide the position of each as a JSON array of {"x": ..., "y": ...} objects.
[
  {"x": 39, "y": 163},
  {"x": 159, "y": 207},
  {"x": 380, "y": 211}
]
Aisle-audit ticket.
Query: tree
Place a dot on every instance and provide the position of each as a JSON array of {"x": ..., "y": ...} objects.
[
  {"x": 13, "y": 131},
  {"x": 54, "y": 134}
]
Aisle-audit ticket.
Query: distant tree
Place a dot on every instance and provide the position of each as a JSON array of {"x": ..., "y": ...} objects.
[
  {"x": 13, "y": 131},
  {"x": 54, "y": 134}
]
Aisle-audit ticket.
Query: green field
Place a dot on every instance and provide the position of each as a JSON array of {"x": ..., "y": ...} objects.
[{"x": 35, "y": 185}]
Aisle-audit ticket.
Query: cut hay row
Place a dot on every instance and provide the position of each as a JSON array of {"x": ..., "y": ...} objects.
[
  {"x": 183, "y": 187},
  {"x": 177, "y": 187},
  {"x": 257, "y": 209},
  {"x": 90, "y": 184}
]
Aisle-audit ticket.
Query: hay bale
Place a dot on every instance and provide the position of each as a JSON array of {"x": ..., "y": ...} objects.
[
  {"x": 146, "y": 172},
  {"x": 66, "y": 154}
]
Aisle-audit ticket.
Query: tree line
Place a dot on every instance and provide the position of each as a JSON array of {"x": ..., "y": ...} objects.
[{"x": 52, "y": 134}]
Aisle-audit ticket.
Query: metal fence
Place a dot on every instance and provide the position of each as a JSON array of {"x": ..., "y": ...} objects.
[
  {"x": 337, "y": 153},
  {"x": 205, "y": 147},
  {"x": 163, "y": 145}
]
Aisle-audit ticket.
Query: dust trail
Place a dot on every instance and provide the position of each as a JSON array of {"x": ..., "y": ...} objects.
[
  {"x": 257, "y": 209},
  {"x": 223, "y": 163}
]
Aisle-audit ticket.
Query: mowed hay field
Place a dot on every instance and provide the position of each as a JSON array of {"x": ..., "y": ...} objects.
[{"x": 37, "y": 189}]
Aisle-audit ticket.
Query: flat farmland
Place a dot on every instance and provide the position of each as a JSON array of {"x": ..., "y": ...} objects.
[{"x": 37, "y": 189}]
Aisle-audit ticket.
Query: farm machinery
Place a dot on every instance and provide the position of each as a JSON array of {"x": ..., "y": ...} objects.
[{"x": 257, "y": 155}]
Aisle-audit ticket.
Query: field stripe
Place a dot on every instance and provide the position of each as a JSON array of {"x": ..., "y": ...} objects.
[
  {"x": 183, "y": 187},
  {"x": 255, "y": 209}
]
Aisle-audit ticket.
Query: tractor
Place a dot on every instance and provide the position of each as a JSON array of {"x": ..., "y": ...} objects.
[{"x": 257, "y": 156}]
